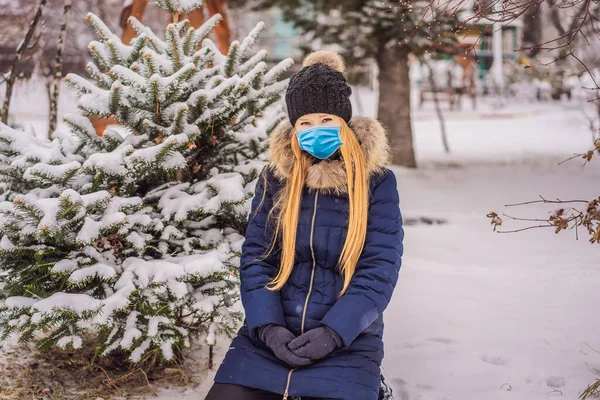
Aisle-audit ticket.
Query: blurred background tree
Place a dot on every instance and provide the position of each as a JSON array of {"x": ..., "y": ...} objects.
[{"x": 364, "y": 30}]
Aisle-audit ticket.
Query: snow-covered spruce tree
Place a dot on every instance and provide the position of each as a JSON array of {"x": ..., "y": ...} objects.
[{"x": 135, "y": 238}]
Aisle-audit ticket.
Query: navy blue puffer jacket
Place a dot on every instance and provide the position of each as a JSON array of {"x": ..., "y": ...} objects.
[{"x": 310, "y": 297}]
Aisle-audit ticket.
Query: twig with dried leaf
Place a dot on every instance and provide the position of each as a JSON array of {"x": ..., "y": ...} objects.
[{"x": 562, "y": 218}]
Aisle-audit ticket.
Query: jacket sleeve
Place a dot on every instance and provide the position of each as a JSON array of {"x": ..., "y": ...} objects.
[
  {"x": 262, "y": 306},
  {"x": 376, "y": 274}
]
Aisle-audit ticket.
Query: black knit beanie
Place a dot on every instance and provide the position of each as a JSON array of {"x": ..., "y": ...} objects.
[{"x": 319, "y": 87}]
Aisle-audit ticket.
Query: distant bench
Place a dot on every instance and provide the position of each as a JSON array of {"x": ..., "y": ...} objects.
[{"x": 450, "y": 95}]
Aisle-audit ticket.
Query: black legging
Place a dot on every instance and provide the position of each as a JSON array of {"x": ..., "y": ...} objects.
[{"x": 222, "y": 391}]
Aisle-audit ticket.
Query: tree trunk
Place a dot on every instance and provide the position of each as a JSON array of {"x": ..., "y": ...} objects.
[
  {"x": 58, "y": 69},
  {"x": 10, "y": 81},
  {"x": 394, "y": 102},
  {"x": 438, "y": 109},
  {"x": 532, "y": 32}
]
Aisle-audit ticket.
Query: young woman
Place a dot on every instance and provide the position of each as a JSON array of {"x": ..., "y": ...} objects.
[{"x": 322, "y": 252}]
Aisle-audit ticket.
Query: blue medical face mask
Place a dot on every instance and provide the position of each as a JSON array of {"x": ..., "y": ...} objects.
[{"x": 320, "y": 141}]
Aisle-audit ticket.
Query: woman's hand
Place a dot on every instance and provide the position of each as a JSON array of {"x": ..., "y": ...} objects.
[
  {"x": 315, "y": 344},
  {"x": 277, "y": 338}
]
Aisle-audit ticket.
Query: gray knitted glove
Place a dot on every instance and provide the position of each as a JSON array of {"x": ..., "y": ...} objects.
[
  {"x": 316, "y": 343},
  {"x": 277, "y": 338}
]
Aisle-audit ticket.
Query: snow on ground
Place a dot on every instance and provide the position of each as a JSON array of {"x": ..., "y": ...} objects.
[
  {"x": 485, "y": 316},
  {"x": 478, "y": 315}
]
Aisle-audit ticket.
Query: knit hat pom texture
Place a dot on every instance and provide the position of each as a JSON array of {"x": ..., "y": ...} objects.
[{"x": 329, "y": 58}]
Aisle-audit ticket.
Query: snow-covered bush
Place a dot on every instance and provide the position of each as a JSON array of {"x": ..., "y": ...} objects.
[{"x": 137, "y": 236}]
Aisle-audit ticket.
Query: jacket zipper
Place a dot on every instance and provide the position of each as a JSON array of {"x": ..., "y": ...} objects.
[
  {"x": 312, "y": 278},
  {"x": 287, "y": 386},
  {"x": 314, "y": 260}
]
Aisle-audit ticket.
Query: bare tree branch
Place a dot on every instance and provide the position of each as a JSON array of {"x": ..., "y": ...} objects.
[
  {"x": 436, "y": 101},
  {"x": 58, "y": 69},
  {"x": 555, "y": 18},
  {"x": 20, "y": 51},
  {"x": 543, "y": 200}
]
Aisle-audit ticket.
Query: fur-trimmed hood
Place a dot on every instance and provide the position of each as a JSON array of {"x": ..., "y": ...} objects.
[{"x": 330, "y": 175}]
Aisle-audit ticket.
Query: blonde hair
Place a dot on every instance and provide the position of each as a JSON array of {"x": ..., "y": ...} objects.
[{"x": 289, "y": 201}]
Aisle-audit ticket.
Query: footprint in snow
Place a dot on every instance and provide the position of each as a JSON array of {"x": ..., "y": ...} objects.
[
  {"x": 398, "y": 382},
  {"x": 494, "y": 360},
  {"x": 425, "y": 386},
  {"x": 399, "y": 386},
  {"x": 555, "y": 382},
  {"x": 442, "y": 340}
]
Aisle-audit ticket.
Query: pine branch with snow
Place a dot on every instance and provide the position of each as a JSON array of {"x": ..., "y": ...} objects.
[
  {"x": 136, "y": 234},
  {"x": 178, "y": 6}
]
